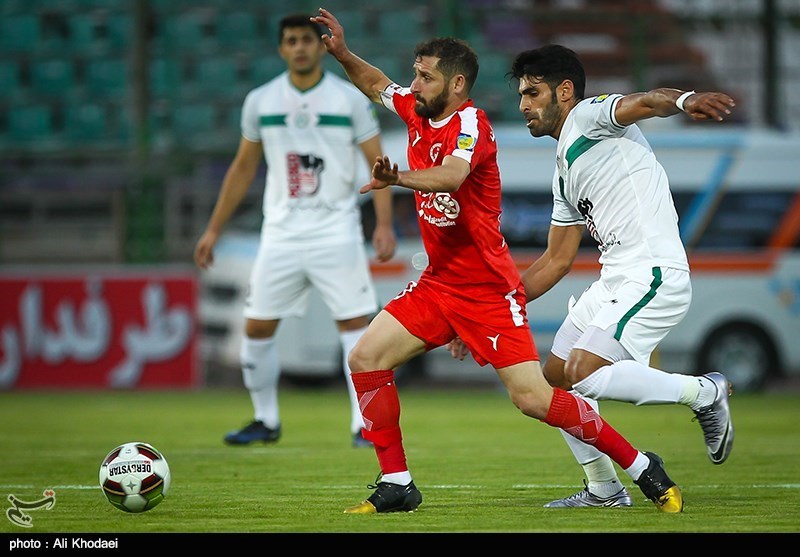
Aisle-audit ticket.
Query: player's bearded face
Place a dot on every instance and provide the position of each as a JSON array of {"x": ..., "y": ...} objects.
[
  {"x": 543, "y": 115},
  {"x": 433, "y": 107},
  {"x": 550, "y": 117}
]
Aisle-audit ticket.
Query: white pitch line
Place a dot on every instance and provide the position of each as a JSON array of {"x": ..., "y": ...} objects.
[{"x": 440, "y": 486}]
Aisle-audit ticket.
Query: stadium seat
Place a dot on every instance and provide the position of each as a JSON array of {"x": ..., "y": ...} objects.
[
  {"x": 403, "y": 28},
  {"x": 354, "y": 22},
  {"x": 185, "y": 32},
  {"x": 52, "y": 78},
  {"x": 396, "y": 67},
  {"x": 92, "y": 34},
  {"x": 85, "y": 122},
  {"x": 20, "y": 33},
  {"x": 165, "y": 77},
  {"x": 120, "y": 28},
  {"x": 265, "y": 68},
  {"x": 236, "y": 29},
  {"x": 493, "y": 68},
  {"x": 233, "y": 120},
  {"x": 193, "y": 123},
  {"x": 9, "y": 77},
  {"x": 107, "y": 78},
  {"x": 82, "y": 34},
  {"x": 30, "y": 123},
  {"x": 217, "y": 76}
]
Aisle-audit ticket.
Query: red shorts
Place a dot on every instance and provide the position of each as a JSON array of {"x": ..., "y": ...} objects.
[{"x": 493, "y": 326}]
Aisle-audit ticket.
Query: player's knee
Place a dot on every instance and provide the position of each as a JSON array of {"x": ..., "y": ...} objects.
[
  {"x": 359, "y": 359},
  {"x": 576, "y": 370},
  {"x": 257, "y": 329},
  {"x": 529, "y": 404},
  {"x": 555, "y": 374}
]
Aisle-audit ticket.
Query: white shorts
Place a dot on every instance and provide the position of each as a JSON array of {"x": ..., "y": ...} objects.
[
  {"x": 622, "y": 315},
  {"x": 283, "y": 275}
]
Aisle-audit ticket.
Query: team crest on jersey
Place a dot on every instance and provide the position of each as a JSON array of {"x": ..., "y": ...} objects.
[
  {"x": 465, "y": 142},
  {"x": 599, "y": 98},
  {"x": 435, "y": 148},
  {"x": 301, "y": 119}
]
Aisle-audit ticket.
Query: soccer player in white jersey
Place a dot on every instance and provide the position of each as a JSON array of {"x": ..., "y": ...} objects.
[
  {"x": 309, "y": 126},
  {"x": 607, "y": 179}
]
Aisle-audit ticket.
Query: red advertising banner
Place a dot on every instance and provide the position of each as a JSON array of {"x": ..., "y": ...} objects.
[{"x": 98, "y": 329}]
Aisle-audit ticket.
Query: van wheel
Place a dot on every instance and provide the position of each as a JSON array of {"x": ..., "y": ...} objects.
[{"x": 741, "y": 351}]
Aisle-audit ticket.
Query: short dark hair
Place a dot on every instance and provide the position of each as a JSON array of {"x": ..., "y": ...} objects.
[
  {"x": 551, "y": 64},
  {"x": 455, "y": 57},
  {"x": 299, "y": 20}
]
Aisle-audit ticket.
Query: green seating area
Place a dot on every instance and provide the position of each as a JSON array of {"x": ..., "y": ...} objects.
[{"x": 73, "y": 71}]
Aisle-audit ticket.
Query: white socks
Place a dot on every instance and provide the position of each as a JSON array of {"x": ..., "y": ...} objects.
[
  {"x": 261, "y": 370},
  {"x": 630, "y": 381},
  {"x": 348, "y": 340},
  {"x": 399, "y": 478}
]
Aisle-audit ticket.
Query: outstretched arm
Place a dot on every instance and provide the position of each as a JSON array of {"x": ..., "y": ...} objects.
[
  {"x": 664, "y": 102},
  {"x": 446, "y": 177},
  {"x": 369, "y": 79}
]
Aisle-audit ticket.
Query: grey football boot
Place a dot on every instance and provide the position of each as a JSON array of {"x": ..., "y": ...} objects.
[{"x": 715, "y": 419}]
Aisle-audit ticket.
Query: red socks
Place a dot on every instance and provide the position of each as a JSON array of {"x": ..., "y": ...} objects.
[
  {"x": 580, "y": 420},
  {"x": 380, "y": 407}
]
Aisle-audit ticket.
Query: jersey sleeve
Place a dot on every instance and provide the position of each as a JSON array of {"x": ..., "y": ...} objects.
[
  {"x": 365, "y": 121},
  {"x": 249, "y": 120},
  {"x": 564, "y": 214},
  {"x": 399, "y": 100},
  {"x": 595, "y": 117},
  {"x": 468, "y": 143}
]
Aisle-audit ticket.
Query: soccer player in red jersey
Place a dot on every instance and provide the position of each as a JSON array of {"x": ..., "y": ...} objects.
[{"x": 471, "y": 287}]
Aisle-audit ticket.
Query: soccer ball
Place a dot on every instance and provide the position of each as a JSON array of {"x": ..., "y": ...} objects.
[{"x": 134, "y": 477}]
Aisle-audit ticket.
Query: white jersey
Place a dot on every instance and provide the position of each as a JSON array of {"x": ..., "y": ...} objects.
[
  {"x": 310, "y": 141},
  {"x": 607, "y": 177}
]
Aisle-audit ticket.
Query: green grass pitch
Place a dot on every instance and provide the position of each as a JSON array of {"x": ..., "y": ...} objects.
[{"x": 482, "y": 467}]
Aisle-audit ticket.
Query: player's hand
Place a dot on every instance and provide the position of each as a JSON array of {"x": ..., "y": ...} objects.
[
  {"x": 384, "y": 174},
  {"x": 384, "y": 243},
  {"x": 204, "y": 250},
  {"x": 457, "y": 348},
  {"x": 334, "y": 41},
  {"x": 708, "y": 106}
]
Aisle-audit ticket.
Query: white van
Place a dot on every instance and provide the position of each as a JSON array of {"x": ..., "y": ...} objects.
[{"x": 738, "y": 196}]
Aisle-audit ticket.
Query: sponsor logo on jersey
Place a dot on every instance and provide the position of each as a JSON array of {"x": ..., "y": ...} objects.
[
  {"x": 599, "y": 98},
  {"x": 465, "y": 142},
  {"x": 439, "y": 209},
  {"x": 303, "y": 172}
]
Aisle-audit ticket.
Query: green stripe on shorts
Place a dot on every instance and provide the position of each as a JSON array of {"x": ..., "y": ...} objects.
[{"x": 641, "y": 303}]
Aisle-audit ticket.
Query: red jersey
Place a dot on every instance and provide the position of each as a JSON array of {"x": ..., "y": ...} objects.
[{"x": 460, "y": 230}]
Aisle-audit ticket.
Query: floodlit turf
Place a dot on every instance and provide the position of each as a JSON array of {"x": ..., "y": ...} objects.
[{"x": 481, "y": 466}]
